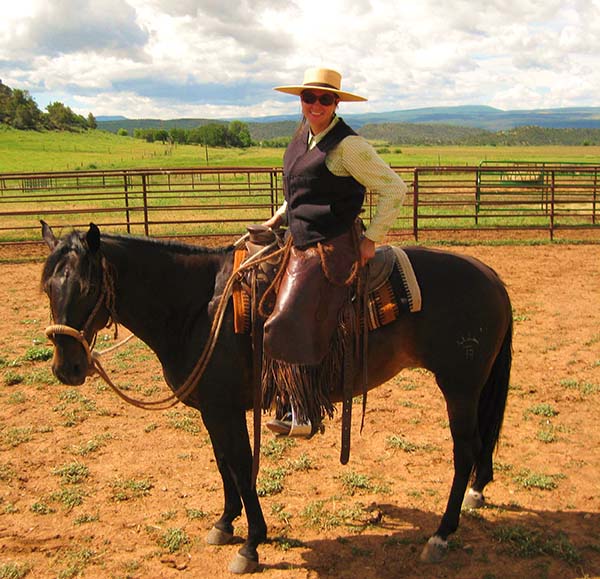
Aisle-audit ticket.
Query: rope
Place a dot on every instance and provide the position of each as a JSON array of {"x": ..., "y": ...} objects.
[{"x": 186, "y": 388}]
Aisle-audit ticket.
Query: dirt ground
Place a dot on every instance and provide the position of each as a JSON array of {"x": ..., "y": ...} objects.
[{"x": 92, "y": 487}]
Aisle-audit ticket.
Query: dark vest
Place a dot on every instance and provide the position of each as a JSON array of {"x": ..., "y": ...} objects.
[{"x": 320, "y": 205}]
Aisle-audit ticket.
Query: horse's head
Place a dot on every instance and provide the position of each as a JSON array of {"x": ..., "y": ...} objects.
[{"x": 74, "y": 278}]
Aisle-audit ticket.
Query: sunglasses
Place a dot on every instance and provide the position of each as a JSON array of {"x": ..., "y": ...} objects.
[{"x": 326, "y": 99}]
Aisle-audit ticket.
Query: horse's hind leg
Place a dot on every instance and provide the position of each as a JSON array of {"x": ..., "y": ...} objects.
[
  {"x": 467, "y": 445},
  {"x": 474, "y": 498}
]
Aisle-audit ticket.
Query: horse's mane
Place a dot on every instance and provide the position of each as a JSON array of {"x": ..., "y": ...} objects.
[
  {"x": 74, "y": 241},
  {"x": 170, "y": 246}
]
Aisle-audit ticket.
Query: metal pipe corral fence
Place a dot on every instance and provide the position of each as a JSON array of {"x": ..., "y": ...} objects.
[{"x": 494, "y": 200}]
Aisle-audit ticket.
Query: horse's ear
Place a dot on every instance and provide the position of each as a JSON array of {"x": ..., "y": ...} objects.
[
  {"x": 48, "y": 235},
  {"x": 92, "y": 238}
]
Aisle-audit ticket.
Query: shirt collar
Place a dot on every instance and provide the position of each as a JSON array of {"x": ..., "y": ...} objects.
[{"x": 313, "y": 140}]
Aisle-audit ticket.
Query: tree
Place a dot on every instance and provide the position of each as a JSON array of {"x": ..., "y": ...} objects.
[
  {"x": 62, "y": 117},
  {"x": 91, "y": 121},
  {"x": 122, "y": 132},
  {"x": 238, "y": 134},
  {"x": 23, "y": 110},
  {"x": 179, "y": 136},
  {"x": 5, "y": 97},
  {"x": 213, "y": 135}
]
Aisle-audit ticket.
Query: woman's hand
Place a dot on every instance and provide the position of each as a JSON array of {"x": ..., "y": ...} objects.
[{"x": 367, "y": 250}]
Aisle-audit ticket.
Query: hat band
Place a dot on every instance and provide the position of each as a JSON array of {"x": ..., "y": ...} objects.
[{"x": 323, "y": 84}]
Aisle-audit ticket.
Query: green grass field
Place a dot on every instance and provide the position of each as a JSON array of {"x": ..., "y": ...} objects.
[
  {"x": 214, "y": 203},
  {"x": 29, "y": 151}
]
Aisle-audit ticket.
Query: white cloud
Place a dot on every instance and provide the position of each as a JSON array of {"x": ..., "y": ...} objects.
[{"x": 212, "y": 58}]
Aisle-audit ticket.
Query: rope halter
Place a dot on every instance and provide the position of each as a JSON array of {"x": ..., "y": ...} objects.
[{"x": 106, "y": 297}]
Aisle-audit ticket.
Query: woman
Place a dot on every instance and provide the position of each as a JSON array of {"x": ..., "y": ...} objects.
[{"x": 327, "y": 169}]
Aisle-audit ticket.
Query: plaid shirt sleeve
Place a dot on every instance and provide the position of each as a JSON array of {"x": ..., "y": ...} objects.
[{"x": 355, "y": 157}]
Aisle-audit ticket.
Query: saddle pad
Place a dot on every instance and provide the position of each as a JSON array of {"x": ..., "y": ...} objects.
[{"x": 400, "y": 293}]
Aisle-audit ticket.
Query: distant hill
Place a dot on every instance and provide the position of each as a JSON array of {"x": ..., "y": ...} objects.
[
  {"x": 438, "y": 134},
  {"x": 489, "y": 118},
  {"x": 481, "y": 117},
  {"x": 464, "y": 125},
  {"x": 116, "y": 123}
]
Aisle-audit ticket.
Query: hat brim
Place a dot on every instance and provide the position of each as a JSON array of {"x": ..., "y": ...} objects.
[{"x": 299, "y": 89}]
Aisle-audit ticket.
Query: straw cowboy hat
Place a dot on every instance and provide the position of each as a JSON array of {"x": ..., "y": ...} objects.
[{"x": 321, "y": 79}]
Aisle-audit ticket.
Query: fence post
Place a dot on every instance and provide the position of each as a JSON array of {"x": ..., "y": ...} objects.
[
  {"x": 145, "y": 197},
  {"x": 416, "y": 204},
  {"x": 595, "y": 196},
  {"x": 552, "y": 208},
  {"x": 273, "y": 192},
  {"x": 126, "y": 191},
  {"x": 477, "y": 193}
]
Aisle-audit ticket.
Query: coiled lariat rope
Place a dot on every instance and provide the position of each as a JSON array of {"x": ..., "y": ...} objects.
[{"x": 93, "y": 358}]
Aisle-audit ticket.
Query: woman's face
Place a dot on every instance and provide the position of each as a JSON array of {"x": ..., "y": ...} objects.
[{"x": 317, "y": 114}]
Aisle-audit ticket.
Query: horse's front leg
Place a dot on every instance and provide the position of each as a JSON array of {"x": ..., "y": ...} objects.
[
  {"x": 222, "y": 532},
  {"x": 231, "y": 444}
]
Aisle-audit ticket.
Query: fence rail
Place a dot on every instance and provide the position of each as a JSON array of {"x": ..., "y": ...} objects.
[{"x": 498, "y": 199}]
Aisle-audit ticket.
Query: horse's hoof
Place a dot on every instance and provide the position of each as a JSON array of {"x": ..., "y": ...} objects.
[
  {"x": 241, "y": 565},
  {"x": 434, "y": 551},
  {"x": 473, "y": 500},
  {"x": 218, "y": 537}
]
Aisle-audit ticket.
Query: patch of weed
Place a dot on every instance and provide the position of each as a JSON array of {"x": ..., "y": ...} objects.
[
  {"x": 271, "y": 482},
  {"x": 86, "y": 518},
  {"x": 14, "y": 570},
  {"x": 532, "y": 480},
  {"x": 275, "y": 448},
  {"x": 354, "y": 482},
  {"x": 76, "y": 561},
  {"x": 7, "y": 472},
  {"x": 17, "y": 435},
  {"x": 74, "y": 407},
  {"x": 174, "y": 540},
  {"x": 547, "y": 434},
  {"x": 38, "y": 354},
  {"x": 524, "y": 543},
  {"x": 542, "y": 410},
  {"x": 303, "y": 463},
  {"x": 286, "y": 543},
  {"x": 41, "y": 376},
  {"x": 125, "y": 490},
  {"x": 41, "y": 508},
  {"x": 585, "y": 388},
  {"x": 186, "y": 421},
  {"x": 72, "y": 472},
  {"x": 91, "y": 445},
  {"x": 193, "y": 514},
  {"x": 278, "y": 510},
  {"x": 396, "y": 441},
  {"x": 12, "y": 378},
  {"x": 68, "y": 497},
  {"x": 16, "y": 398},
  {"x": 317, "y": 515}
]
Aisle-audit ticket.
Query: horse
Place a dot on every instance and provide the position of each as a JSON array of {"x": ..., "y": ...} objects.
[{"x": 165, "y": 293}]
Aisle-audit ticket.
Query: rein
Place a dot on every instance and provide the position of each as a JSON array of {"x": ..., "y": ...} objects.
[{"x": 107, "y": 297}]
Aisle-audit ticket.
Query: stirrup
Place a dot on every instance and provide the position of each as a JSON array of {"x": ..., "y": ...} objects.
[{"x": 289, "y": 426}]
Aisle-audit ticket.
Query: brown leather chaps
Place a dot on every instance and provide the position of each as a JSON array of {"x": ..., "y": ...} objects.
[{"x": 316, "y": 284}]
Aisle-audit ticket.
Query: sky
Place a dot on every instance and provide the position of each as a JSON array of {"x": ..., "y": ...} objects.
[{"x": 221, "y": 59}]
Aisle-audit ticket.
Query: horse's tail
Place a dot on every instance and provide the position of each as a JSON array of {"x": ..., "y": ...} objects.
[{"x": 492, "y": 402}]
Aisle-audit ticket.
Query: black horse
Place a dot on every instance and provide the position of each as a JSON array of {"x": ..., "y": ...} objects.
[{"x": 165, "y": 293}]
